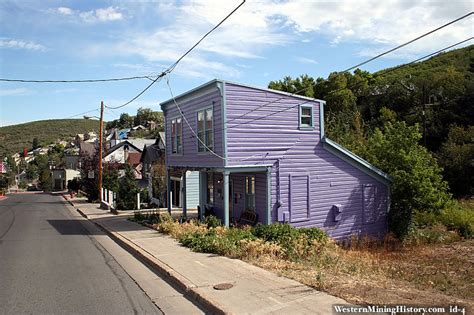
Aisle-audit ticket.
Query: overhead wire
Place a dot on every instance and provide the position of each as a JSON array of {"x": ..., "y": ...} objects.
[
  {"x": 187, "y": 122},
  {"x": 410, "y": 41},
  {"x": 331, "y": 92},
  {"x": 75, "y": 81},
  {"x": 343, "y": 88},
  {"x": 173, "y": 66}
]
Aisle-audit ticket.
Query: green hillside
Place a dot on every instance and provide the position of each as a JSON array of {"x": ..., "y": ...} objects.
[
  {"x": 16, "y": 137},
  {"x": 460, "y": 59}
]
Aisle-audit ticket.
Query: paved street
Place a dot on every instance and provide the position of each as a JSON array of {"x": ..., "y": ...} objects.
[{"x": 50, "y": 265}]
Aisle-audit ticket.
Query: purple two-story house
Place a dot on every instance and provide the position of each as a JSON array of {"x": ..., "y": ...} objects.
[{"x": 264, "y": 151}]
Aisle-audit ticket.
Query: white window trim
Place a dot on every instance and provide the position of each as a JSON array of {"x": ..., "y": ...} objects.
[
  {"x": 305, "y": 127},
  {"x": 206, "y": 151},
  {"x": 171, "y": 136}
]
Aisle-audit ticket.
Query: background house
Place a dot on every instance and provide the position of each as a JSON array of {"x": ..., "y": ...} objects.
[
  {"x": 265, "y": 152},
  {"x": 154, "y": 172}
]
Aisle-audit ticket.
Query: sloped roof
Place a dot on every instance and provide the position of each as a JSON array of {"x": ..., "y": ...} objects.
[
  {"x": 119, "y": 145},
  {"x": 134, "y": 158}
]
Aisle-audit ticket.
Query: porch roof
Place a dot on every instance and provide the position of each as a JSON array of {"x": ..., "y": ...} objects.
[{"x": 229, "y": 169}]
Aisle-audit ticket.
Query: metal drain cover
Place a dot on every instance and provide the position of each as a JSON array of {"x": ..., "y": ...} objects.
[{"x": 223, "y": 286}]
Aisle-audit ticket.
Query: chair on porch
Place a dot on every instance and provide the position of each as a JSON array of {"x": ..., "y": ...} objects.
[{"x": 248, "y": 217}]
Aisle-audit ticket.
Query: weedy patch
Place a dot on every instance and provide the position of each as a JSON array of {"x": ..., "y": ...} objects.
[{"x": 432, "y": 267}]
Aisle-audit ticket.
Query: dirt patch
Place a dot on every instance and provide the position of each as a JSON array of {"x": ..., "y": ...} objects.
[{"x": 422, "y": 275}]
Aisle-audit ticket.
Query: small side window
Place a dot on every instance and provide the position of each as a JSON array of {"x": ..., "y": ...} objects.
[{"x": 306, "y": 116}]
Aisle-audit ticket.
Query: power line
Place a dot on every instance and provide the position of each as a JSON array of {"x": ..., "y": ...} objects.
[
  {"x": 409, "y": 42},
  {"x": 331, "y": 92},
  {"x": 80, "y": 114},
  {"x": 76, "y": 81},
  {"x": 429, "y": 55},
  {"x": 378, "y": 56},
  {"x": 406, "y": 64},
  {"x": 187, "y": 122},
  {"x": 172, "y": 66}
]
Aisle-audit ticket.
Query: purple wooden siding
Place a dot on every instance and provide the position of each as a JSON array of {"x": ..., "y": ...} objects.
[
  {"x": 190, "y": 157},
  {"x": 298, "y": 196},
  {"x": 270, "y": 134}
]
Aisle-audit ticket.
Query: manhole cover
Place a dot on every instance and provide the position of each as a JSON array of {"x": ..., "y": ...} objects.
[{"x": 223, "y": 286}]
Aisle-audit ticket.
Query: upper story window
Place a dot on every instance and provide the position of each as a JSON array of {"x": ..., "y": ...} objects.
[
  {"x": 177, "y": 135},
  {"x": 204, "y": 130},
  {"x": 306, "y": 116}
]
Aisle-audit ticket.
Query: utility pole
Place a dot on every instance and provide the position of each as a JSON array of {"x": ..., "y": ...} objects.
[{"x": 100, "y": 149}]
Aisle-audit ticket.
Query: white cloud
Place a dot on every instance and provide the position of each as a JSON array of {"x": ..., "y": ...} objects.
[
  {"x": 21, "y": 44},
  {"x": 306, "y": 60},
  {"x": 101, "y": 15},
  {"x": 385, "y": 24},
  {"x": 64, "y": 10},
  {"x": 92, "y": 16},
  {"x": 15, "y": 92},
  {"x": 266, "y": 24}
]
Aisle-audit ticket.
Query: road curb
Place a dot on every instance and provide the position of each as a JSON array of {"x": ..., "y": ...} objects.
[{"x": 190, "y": 290}]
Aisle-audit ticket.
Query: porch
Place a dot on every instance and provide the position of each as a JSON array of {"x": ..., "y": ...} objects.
[{"x": 227, "y": 192}]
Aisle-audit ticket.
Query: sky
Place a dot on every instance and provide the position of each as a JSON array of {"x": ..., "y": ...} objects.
[{"x": 263, "y": 41}]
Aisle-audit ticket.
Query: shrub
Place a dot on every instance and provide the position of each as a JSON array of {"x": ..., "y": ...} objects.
[
  {"x": 212, "y": 221},
  {"x": 459, "y": 219},
  {"x": 295, "y": 243},
  {"x": 431, "y": 235}
]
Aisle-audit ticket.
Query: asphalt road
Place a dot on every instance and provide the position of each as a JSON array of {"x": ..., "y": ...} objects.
[{"x": 49, "y": 264}]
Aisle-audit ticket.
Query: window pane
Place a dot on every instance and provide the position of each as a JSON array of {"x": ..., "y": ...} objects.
[
  {"x": 209, "y": 119},
  {"x": 200, "y": 121},
  {"x": 306, "y": 121},
  {"x": 173, "y": 136},
  {"x": 253, "y": 185},
  {"x": 209, "y": 139},
  {"x": 200, "y": 143},
  {"x": 305, "y": 111}
]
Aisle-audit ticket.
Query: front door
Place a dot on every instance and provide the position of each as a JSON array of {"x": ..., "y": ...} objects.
[{"x": 176, "y": 193}]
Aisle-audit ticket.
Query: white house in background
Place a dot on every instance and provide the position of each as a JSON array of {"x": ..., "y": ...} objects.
[
  {"x": 62, "y": 176},
  {"x": 119, "y": 152}
]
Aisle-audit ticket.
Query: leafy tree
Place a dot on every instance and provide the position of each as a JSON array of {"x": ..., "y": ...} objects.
[
  {"x": 89, "y": 164},
  {"x": 110, "y": 177},
  {"x": 417, "y": 181},
  {"x": 128, "y": 189},
  {"x": 45, "y": 180},
  {"x": 125, "y": 121},
  {"x": 35, "y": 143},
  {"x": 32, "y": 172},
  {"x": 456, "y": 156}
]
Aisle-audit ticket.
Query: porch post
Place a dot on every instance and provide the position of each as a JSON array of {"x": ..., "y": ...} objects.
[
  {"x": 202, "y": 193},
  {"x": 269, "y": 195},
  {"x": 226, "y": 198},
  {"x": 183, "y": 195},
  {"x": 168, "y": 190}
]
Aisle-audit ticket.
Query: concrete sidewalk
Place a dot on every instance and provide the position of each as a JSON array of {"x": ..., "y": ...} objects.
[{"x": 253, "y": 291}]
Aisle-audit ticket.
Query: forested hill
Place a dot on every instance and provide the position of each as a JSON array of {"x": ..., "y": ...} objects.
[
  {"x": 435, "y": 96},
  {"x": 460, "y": 59},
  {"x": 15, "y": 138}
]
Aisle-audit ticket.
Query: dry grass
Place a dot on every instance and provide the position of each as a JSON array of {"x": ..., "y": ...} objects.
[{"x": 361, "y": 271}]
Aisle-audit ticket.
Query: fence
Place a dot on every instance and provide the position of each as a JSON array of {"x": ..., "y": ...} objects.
[{"x": 109, "y": 199}]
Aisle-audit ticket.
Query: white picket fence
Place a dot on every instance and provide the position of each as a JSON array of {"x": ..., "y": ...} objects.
[{"x": 109, "y": 198}]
